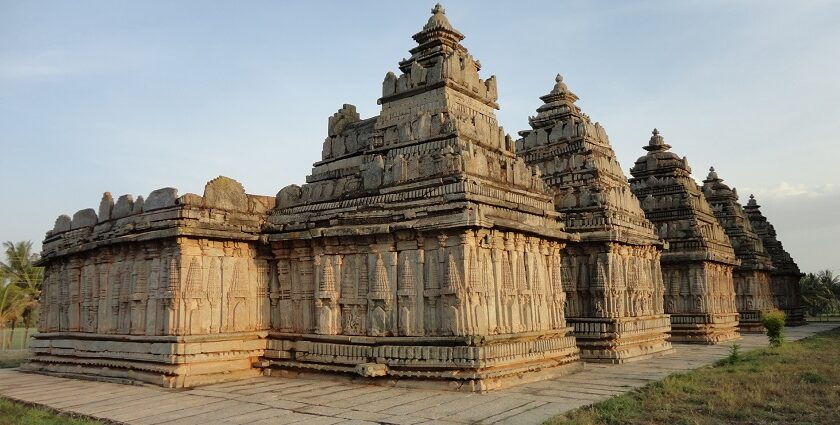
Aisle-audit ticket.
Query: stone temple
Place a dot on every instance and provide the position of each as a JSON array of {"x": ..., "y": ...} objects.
[
  {"x": 752, "y": 277},
  {"x": 785, "y": 276},
  {"x": 427, "y": 248},
  {"x": 697, "y": 267},
  {"x": 612, "y": 277}
]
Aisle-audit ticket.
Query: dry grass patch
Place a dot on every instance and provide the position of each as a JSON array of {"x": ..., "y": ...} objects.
[{"x": 797, "y": 383}]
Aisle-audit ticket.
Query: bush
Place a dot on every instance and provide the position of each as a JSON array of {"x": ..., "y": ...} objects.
[
  {"x": 774, "y": 322},
  {"x": 734, "y": 357}
]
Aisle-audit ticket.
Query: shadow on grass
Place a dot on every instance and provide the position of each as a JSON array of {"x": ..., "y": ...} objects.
[{"x": 798, "y": 382}]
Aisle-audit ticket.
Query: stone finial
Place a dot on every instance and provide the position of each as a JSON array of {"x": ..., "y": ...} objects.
[
  {"x": 105, "y": 206},
  {"x": 138, "y": 205},
  {"x": 289, "y": 196},
  {"x": 84, "y": 218},
  {"x": 123, "y": 207},
  {"x": 752, "y": 202},
  {"x": 712, "y": 174},
  {"x": 225, "y": 193},
  {"x": 657, "y": 142},
  {"x": 62, "y": 224},
  {"x": 559, "y": 86},
  {"x": 161, "y": 198},
  {"x": 438, "y": 19}
]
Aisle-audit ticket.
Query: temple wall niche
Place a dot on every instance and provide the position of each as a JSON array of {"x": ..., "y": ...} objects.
[
  {"x": 413, "y": 284},
  {"x": 178, "y": 286}
]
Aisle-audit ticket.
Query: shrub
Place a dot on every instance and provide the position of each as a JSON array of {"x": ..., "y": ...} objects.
[
  {"x": 735, "y": 356},
  {"x": 774, "y": 322}
]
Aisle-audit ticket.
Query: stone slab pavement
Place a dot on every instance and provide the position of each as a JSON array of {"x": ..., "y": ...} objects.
[{"x": 276, "y": 400}]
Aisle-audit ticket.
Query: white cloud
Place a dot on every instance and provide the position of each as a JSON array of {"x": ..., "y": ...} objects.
[{"x": 785, "y": 190}]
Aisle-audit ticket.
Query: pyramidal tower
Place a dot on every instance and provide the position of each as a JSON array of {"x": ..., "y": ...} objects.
[
  {"x": 613, "y": 281},
  {"x": 786, "y": 276},
  {"x": 754, "y": 294},
  {"x": 430, "y": 190},
  {"x": 697, "y": 266}
]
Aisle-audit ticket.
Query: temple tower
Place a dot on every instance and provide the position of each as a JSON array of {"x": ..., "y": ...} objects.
[
  {"x": 449, "y": 243},
  {"x": 753, "y": 277},
  {"x": 613, "y": 283},
  {"x": 697, "y": 266},
  {"x": 786, "y": 276}
]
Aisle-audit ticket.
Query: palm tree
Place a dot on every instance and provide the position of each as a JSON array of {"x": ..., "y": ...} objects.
[
  {"x": 821, "y": 292},
  {"x": 832, "y": 284},
  {"x": 19, "y": 268},
  {"x": 12, "y": 301}
]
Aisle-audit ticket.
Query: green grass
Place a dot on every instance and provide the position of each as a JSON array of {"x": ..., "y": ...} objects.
[
  {"x": 12, "y": 413},
  {"x": 797, "y": 383},
  {"x": 11, "y": 362}
]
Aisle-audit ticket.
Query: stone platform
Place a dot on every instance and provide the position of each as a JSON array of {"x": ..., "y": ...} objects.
[
  {"x": 272, "y": 400},
  {"x": 700, "y": 328}
]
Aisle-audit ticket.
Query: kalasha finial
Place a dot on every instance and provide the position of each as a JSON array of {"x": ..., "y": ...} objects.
[
  {"x": 438, "y": 9},
  {"x": 751, "y": 196},
  {"x": 559, "y": 85},
  {"x": 657, "y": 142},
  {"x": 712, "y": 174},
  {"x": 752, "y": 202}
]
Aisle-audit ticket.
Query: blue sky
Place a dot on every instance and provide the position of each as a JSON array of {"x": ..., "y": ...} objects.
[{"x": 129, "y": 97}]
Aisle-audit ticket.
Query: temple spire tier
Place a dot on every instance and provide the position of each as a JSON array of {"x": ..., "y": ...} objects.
[
  {"x": 698, "y": 265},
  {"x": 613, "y": 282}
]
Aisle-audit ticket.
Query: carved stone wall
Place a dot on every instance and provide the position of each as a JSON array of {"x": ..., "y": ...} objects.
[
  {"x": 613, "y": 281},
  {"x": 697, "y": 266},
  {"x": 786, "y": 276},
  {"x": 752, "y": 277},
  {"x": 171, "y": 291},
  {"x": 414, "y": 284}
]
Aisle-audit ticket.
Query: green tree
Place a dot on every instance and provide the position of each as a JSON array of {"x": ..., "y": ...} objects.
[
  {"x": 821, "y": 292},
  {"x": 21, "y": 272},
  {"x": 12, "y": 300}
]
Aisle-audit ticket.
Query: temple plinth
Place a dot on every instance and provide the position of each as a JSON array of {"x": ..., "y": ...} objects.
[
  {"x": 754, "y": 294},
  {"x": 697, "y": 266},
  {"x": 786, "y": 276},
  {"x": 612, "y": 278}
]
